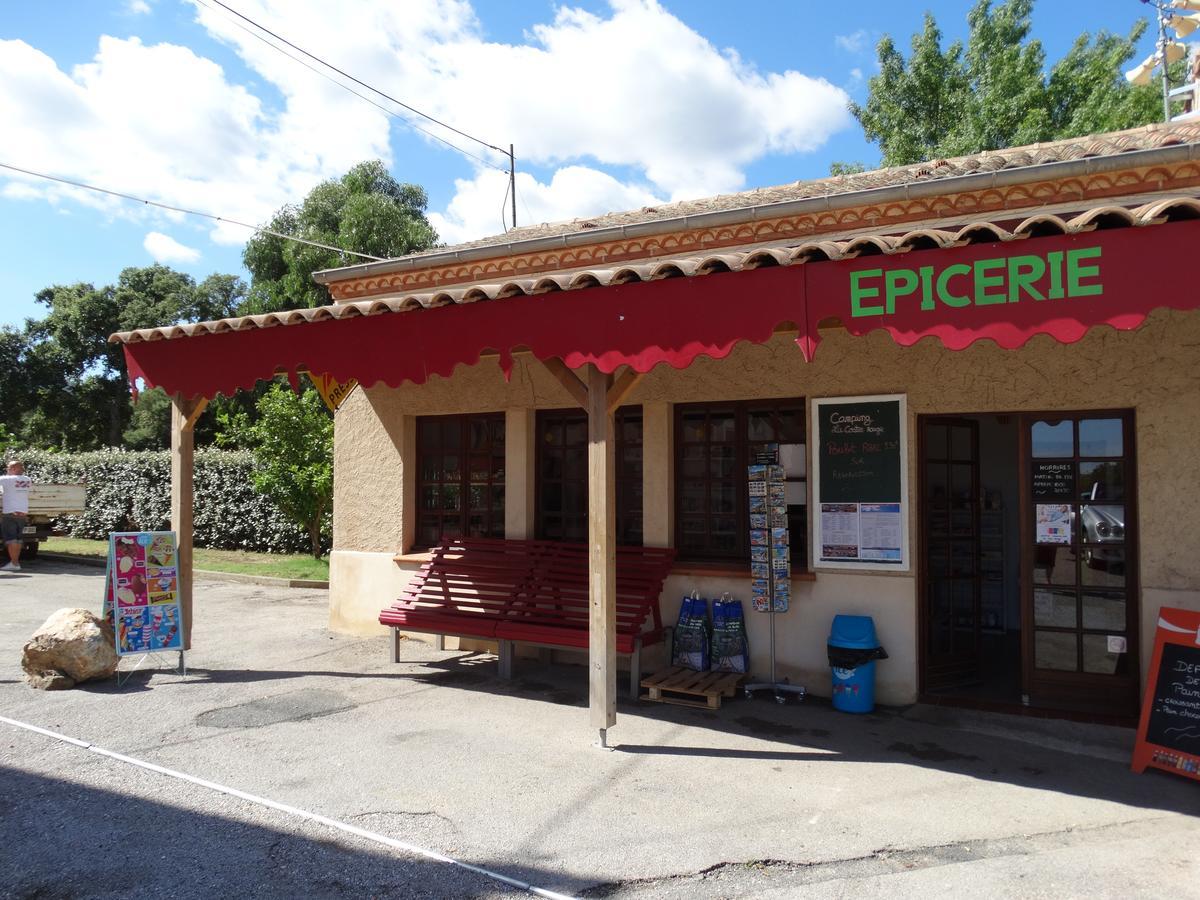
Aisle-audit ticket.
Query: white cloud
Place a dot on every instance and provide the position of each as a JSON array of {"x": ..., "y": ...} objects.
[
  {"x": 574, "y": 191},
  {"x": 165, "y": 249},
  {"x": 635, "y": 90},
  {"x": 853, "y": 43},
  {"x": 137, "y": 7},
  {"x": 121, "y": 121}
]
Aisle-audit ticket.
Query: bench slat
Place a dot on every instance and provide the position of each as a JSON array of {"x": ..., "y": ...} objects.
[{"x": 535, "y": 591}]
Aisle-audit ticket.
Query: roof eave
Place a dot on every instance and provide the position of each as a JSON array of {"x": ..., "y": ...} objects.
[{"x": 1091, "y": 165}]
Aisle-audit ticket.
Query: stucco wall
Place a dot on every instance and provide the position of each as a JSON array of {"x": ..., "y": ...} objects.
[{"x": 1152, "y": 370}]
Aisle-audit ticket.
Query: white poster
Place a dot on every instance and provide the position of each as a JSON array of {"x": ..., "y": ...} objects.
[
  {"x": 1054, "y": 523},
  {"x": 881, "y": 529},
  {"x": 839, "y": 531}
]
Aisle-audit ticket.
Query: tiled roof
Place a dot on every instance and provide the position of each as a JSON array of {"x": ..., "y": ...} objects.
[
  {"x": 1111, "y": 216},
  {"x": 1147, "y": 137}
]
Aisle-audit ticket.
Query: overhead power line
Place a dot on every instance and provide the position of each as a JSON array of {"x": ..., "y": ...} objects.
[
  {"x": 358, "y": 81},
  {"x": 190, "y": 212},
  {"x": 379, "y": 106}
]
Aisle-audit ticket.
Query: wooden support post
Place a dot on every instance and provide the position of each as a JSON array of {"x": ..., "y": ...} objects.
[
  {"x": 571, "y": 382},
  {"x": 602, "y": 558},
  {"x": 622, "y": 387},
  {"x": 183, "y": 417}
]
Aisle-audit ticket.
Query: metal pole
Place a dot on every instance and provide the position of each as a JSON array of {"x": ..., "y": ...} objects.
[
  {"x": 512, "y": 182},
  {"x": 1162, "y": 49}
]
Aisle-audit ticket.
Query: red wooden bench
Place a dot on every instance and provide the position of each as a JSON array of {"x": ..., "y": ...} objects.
[{"x": 529, "y": 592}]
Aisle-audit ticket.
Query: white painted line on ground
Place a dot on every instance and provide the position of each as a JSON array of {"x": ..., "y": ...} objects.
[{"x": 291, "y": 810}]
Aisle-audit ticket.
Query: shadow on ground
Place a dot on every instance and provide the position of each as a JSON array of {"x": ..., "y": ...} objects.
[
  {"x": 64, "y": 839},
  {"x": 813, "y": 731}
]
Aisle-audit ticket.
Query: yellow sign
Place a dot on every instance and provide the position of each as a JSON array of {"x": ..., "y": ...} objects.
[{"x": 332, "y": 392}]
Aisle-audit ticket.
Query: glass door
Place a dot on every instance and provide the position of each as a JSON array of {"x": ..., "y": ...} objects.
[
  {"x": 951, "y": 542},
  {"x": 1080, "y": 570}
]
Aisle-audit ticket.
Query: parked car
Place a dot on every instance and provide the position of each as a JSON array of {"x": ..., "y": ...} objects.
[{"x": 1104, "y": 524}]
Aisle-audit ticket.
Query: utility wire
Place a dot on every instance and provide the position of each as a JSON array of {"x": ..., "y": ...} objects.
[
  {"x": 407, "y": 121},
  {"x": 503, "y": 205},
  {"x": 360, "y": 82},
  {"x": 190, "y": 212}
]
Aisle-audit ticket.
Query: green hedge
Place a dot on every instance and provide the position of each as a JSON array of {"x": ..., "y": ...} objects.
[{"x": 131, "y": 491}]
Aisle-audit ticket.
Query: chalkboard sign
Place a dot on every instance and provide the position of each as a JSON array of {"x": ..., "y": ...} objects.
[
  {"x": 1175, "y": 709},
  {"x": 860, "y": 457},
  {"x": 1054, "y": 479},
  {"x": 859, "y": 451},
  {"x": 1169, "y": 733}
]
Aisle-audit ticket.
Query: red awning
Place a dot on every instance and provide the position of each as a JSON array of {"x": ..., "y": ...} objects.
[{"x": 929, "y": 283}]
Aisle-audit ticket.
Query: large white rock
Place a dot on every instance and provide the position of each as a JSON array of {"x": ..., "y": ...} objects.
[{"x": 73, "y": 645}]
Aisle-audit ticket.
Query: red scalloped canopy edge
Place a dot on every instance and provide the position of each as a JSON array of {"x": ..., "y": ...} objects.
[{"x": 676, "y": 320}]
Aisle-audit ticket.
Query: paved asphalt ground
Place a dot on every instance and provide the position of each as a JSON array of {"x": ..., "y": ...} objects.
[{"x": 755, "y": 800}]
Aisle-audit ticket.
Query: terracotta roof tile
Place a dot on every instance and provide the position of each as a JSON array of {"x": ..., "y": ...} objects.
[{"x": 1148, "y": 137}]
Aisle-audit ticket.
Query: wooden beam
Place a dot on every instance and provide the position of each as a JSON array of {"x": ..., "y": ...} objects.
[
  {"x": 568, "y": 379},
  {"x": 602, "y": 558},
  {"x": 622, "y": 387},
  {"x": 183, "y": 416},
  {"x": 201, "y": 405}
]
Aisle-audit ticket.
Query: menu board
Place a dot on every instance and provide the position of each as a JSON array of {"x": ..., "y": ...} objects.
[
  {"x": 1053, "y": 479},
  {"x": 1169, "y": 732},
  {"x": 141, "y": 593},
  {"x": 861, "y": 462}
]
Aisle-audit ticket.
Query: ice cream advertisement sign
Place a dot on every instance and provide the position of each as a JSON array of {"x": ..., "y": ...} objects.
[{"x": 141, "y": 595}]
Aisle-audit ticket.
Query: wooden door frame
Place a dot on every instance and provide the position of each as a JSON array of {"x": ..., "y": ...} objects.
[
  {"x": 1024, "y": 420},
  {"x": 923, "y": 649},
  {"x": 1132, "y": 547}
]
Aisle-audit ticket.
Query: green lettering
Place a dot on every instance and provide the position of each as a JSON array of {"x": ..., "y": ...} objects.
[
  {"x": 983, "y": 281},
  {"x": 1054, "y": 262},
  {"x": 900, "y": 283},
  {"x": 1075, "y": 272},
  {"x": 955, "y": 300},
  {"x": 1023, "y": 273},
  {"x": 858, "y": 293},
  {"x": 927, "y": 289}
]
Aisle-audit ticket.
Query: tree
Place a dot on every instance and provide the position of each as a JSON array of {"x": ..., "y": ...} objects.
[
  {"x": 366, "y": 210},
  {"x": 292, "y": 443},
  {"x": 994, "y": 92},
  {"x": 72, "y": 380},
  {"x": 838, "y": 167}
]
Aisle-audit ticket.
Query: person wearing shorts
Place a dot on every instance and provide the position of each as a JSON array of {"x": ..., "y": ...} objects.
[{"x": 14, "y": 512}]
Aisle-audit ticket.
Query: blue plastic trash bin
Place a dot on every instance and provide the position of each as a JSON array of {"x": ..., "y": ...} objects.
[{"x": 853, "y": 649}]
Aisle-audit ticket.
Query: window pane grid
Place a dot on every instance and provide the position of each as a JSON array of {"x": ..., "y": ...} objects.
[
  {"x": 715, "y": 443},
  {"x": 1095, "y": 573},
  {"x": 460, "y": 477},
  {"x": 562, "y": 475}
]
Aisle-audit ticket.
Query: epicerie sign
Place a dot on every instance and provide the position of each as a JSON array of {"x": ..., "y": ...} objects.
[{"x": 1056, "y": 275}]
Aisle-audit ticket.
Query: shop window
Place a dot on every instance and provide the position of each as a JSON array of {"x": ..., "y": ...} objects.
[
  {"x": 562, "y": 475},
  {"x": 460, "y": 477},
  {"x": 714, "y": 444}
]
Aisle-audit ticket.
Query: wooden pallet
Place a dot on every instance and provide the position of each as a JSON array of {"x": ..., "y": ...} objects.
[{"x": 680, "y": 686}]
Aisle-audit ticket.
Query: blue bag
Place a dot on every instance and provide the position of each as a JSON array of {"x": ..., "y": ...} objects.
[
  {"x": 730, "y": 643},
  {"x": 691, "y": 644}
]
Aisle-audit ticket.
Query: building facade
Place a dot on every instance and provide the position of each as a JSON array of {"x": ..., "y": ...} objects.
[{"x": 1048, "y": 450}]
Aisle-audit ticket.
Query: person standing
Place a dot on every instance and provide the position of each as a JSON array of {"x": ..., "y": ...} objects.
[{"x": 14, "y": 512}]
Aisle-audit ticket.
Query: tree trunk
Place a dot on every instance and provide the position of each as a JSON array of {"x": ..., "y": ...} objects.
[{"x": 314, "y": 536}]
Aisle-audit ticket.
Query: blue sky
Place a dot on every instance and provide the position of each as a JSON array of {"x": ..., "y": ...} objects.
[{"x": 610, "y": 106}]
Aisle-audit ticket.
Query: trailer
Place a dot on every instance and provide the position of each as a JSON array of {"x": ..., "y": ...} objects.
[{"x": 47, "y": 502}]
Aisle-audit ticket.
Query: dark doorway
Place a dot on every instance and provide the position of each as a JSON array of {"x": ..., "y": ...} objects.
[
  {"x": 971, "y": 539},
  {"x": 1028, "y": 558}
]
